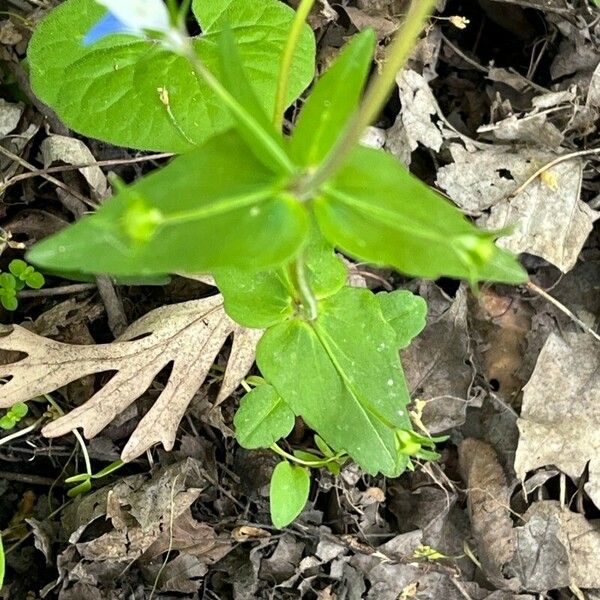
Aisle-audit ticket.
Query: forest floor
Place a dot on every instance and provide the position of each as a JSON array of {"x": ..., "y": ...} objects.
[{"x": 499, "y": 109}]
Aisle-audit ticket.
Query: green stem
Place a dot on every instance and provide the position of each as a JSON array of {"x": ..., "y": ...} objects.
[
  {"x": 286, "y": 61},
  {"x": 378, "y": 92},
  {"x": 269, "y": 144},
  {"x": 299, "y": 278},
  {"x": 313, "y": 465}
]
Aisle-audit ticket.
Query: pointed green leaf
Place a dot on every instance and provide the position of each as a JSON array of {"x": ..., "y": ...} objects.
[
  {"x": 405, "y": 312},
  {"x": 230, "y": 212},
  {"x": 262, "y": 418},
  {"x": 134, "y": 93},
  {"x": 342, "y": 374},
  {"x": 290, "y": 486},
  {"x": 333, "y": 101},
  {"x": 376, "y": 211}
]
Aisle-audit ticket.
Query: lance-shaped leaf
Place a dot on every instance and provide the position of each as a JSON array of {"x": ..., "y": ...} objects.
[
  {"x": 332, "y": 101},
  {"x": 342, "y": 375},
  {"x": 375, "y": 210},
  {"x": 188, "y": 335},
  {"x": 135, "y": 93},
  {"x": 216, "y": 206}
]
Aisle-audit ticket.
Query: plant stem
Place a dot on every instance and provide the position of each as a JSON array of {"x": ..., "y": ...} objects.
[
  {"x": 286, "y": 61},
  {"x": 299, "y": 277},
  {"x": 315, "y": 465},
  {"x": 269, "y": 145},
  {"x": 378, "y": 92}
]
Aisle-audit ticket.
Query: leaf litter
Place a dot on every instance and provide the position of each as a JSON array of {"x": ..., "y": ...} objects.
[{"x": 510, "y": 512}]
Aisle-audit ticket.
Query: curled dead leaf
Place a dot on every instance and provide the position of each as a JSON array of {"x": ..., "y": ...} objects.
[{"x": 489, "y": 509}]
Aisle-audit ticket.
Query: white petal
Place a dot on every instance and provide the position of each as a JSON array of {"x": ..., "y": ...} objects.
[{"x": 140, "y": 14}]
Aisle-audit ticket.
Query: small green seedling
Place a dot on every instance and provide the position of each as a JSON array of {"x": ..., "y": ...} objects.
[
  {"x": 19, "y": 276},
  {"x": 13, "y": 416},
  {"x": 84, "y": 480}
]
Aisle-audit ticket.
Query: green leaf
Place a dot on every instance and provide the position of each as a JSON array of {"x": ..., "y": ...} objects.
[
  {"x": 7, "y": 422},
  {"x": 19, "y": 410},
  {"x": 342, "y": 375},
  {"x": 110, "y": 90},
  {"x": 405, "y": 312},
  {"x": 226, "y": 214},
  {"x": 18, "y": 267},
  {"x": 253, "y": 124},
  {"x": 257, "y": 300},
  {"x": 333, "y": 101},
  {"x": 8, "y": 282},
  {"x": 114, "y": 466},
  {"x": 262, "y": 418},
  {"x": 266, "y": 298},
  {"x": 35, "y": 280},
  {"x": 323, "y": 447},
  {"x": 2, "y": 563},
  {"x": 374, "y": 210},
  {"x": 9, "y": 301},
  {"x": 289, "y": 490}
]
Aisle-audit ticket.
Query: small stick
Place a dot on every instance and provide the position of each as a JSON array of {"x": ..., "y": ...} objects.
[
  {"x": 553, "y": 163},
  {"x": 62, "y": 290},
  {"x": 534, "y": 288}
]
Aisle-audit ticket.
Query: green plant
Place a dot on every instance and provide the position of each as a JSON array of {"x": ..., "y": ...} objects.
[
  {"x": 263, "y": 212},
  {"x": 20, "y": 275},
  {"x": 13, "y": 416},
  {"x": 2, "y": 562}
]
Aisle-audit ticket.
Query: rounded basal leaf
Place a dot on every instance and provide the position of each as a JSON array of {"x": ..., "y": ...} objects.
[
  {"x": 262, "y": 418},
  {"x": 226, "y": 215},
  {"x": 134, "y": 92},
  {"x": 289, "y": 490}
]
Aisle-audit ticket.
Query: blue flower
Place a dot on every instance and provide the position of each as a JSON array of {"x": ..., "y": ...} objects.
[
  {"x": 107, "y": 26},
  {"x": 142, "y": 18}
]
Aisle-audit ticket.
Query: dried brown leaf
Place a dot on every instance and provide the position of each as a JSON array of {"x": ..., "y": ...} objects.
[
  {"x": 489, "y": 509},
  {"x": 188, "y": 335},
  {"x": 557, "y": 548},
  {"x": 560, "y": 418}
]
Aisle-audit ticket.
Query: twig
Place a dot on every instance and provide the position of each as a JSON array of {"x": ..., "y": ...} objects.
[
  {"x": 117, "y": 321},
  {"x": 534, "y": 288},
  {"x": 553, "y": 163},
  {"x": 25, "y": 478},
  {"x": 62, "y": 290},
  {"x": 49, "y": 178},
  {"x": 100, "y": 163}
]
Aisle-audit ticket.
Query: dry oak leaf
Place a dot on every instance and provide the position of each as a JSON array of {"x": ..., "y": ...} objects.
[{"x": 188, "y": 335}]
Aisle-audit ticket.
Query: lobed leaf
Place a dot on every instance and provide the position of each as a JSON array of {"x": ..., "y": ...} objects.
[
  {"x": 405, "y": 312},
  {"x": 189, "y": 336}
]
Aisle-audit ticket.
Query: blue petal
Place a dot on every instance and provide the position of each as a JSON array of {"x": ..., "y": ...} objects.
[{"x": 106, "y": 26}]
